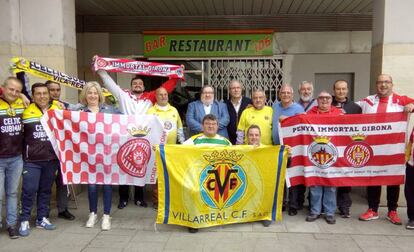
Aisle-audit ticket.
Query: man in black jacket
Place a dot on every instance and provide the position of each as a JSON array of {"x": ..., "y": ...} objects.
[
  {"x": 62, "y": 192},
  {"x": 341, "y": 101},
  {"x": 235, "y": 105}
]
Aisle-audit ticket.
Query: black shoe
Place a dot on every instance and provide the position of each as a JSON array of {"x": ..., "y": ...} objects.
[
  {"x": 155, "y": 206},
  {"x": 266, "y": 223},
  {"x": 312, "y": 217},
  {"x": 13, "y": 232},
  {"x": 283, "y": 208},
  {"x": 410, "y": 225},
  {"x": 292, "y": 212},
  {"x": 330, "y": 219},
  {"x": 66, "y": 215},
  {"x": 344, "y": 214},
  {"x": 141, "y": 203},
  {"x": 122, "y": 204},
  {"x": 193, "y": 230}
]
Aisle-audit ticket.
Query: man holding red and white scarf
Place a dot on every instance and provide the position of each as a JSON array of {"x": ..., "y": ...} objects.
[{"x": 131, "y": 102}]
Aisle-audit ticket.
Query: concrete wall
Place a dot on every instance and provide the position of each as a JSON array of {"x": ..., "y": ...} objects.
[
  {"x": 308, "y": 53},
  {"x": 393, "y": 44},
  {"x": 48, "y": 37},
  {"x": 107, "y": 45},
  {"x": 304, "y": 67}
]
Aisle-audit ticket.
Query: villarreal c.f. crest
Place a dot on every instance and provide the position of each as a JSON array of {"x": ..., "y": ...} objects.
[{"x": 223, "y": 181}]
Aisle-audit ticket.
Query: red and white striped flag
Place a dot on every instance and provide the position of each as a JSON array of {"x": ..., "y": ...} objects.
[
  {"x": 104, "y": 148},
  {"x": 346, "y": 150}
]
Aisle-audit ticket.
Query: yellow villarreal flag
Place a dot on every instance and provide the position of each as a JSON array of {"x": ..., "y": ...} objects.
[{"x": 208, "y": 186}]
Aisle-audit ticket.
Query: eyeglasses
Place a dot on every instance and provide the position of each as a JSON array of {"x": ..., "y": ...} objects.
[
  {"x": 384, "y": 82},
  {"x": 210, "y": 123},
  {"x": 325, "y": 97}
]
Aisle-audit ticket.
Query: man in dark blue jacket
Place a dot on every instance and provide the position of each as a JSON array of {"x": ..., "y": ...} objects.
[
  {"x": 207, "y": 105},
  {"x": 235, "y": 105},
  {"x": 341, "y": 101}
]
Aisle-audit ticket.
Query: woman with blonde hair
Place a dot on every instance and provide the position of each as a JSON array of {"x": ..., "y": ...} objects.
[{"x": 92, "y": 99}]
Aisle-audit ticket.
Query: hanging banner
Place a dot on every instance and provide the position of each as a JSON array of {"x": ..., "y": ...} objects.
[
  {"x": 346, "y": 150},
  {"x": 33, "y": 68},
  {"x": 138, "y": 67},
  {"x": 210, "y": 186},
  {"x": 104, "y": 148},
  {"x": 208, "y": 45}
]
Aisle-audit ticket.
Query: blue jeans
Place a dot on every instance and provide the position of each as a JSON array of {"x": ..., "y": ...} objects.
[
  {"x": 93, "y": 198},
  {"x": 38, "y": 178},
  {"x": 323, "y": 196},
  {"x": 10, "y": 171}
]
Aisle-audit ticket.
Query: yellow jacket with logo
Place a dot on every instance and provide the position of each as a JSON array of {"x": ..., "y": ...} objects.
[
  {"x": 11, "y": 130},
  {"x": 37, "y": 146},
  {"x": 262, "y": 118},
  {"x": 171, "y": 120}
]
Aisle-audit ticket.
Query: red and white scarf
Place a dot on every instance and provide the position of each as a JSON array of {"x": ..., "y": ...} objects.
[{"x": 138, "y": 67}]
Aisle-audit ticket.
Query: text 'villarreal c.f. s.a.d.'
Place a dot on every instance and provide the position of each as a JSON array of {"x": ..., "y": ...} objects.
[{"x": 210, "y": 186}]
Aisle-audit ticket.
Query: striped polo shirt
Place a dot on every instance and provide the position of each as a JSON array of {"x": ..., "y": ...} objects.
[{"x": 201, "y": 139}]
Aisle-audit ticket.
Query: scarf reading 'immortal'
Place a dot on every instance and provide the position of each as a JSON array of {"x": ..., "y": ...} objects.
[{"x": 138, "y": 67}]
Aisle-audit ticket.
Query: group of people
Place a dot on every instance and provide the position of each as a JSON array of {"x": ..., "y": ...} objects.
[
  {"x": 26, "y": 152},
  {"x": 322, "y": 199}
]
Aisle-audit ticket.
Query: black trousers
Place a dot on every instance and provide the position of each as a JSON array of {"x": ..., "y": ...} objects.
[
  {"x": 343, "y": 198},
  {"x": 374, "y": 195},
  {"x": 124, "y": 193},
  {"x": 409, "y": 191},
  {"x": 297, "y": 196}
]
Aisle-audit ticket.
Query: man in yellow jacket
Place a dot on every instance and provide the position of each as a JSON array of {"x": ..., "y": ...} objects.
[
  {"x": 169, "y": 117},
  {"x": 11, "y": 142},
  {"x": 40, "y": 162},
  {"x": 172, "y": 125},
  {"x": 260, "y": 115}
]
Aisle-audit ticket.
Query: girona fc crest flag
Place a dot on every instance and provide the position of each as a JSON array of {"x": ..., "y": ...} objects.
[
  {"x": 346, "y": 150},
  {"x": 210, "y": 186},
  {"x": 104, "y": 148}
]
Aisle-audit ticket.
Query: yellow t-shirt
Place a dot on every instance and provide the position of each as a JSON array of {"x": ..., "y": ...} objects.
[
  {"x": 171, "y": 119},
  {"x": 262, "y": 118}
]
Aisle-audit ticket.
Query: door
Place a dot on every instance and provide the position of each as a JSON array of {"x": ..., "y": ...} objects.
[{"x": 253, "y": 73}]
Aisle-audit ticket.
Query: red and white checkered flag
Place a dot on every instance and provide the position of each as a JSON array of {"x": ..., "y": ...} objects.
[{"x": 104, "y": 148}]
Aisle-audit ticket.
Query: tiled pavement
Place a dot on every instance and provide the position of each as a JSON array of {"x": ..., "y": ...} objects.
[{"x": 133, "y": 229}]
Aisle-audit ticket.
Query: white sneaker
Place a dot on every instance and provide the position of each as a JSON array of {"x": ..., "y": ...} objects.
[
  {"x": 106, "y": 222},
  {"x": 44, "y": 223},
  {"x": 24, "y": 229},
  {"x": 93, "y": 218}
]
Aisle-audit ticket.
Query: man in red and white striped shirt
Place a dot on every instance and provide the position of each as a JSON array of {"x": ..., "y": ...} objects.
[{"x": 384, "y": 101}]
